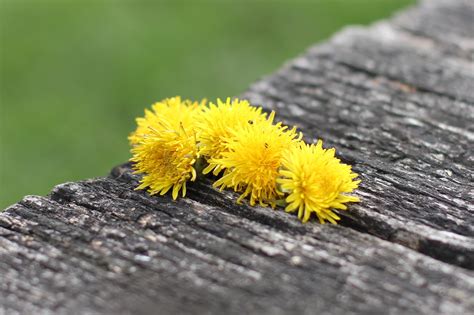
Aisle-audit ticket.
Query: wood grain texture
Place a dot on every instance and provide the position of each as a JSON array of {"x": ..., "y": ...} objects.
[{"x": 395, "y": 100}]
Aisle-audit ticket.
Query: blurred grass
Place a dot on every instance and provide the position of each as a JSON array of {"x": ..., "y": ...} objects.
[{"x": 75, "y": 74}]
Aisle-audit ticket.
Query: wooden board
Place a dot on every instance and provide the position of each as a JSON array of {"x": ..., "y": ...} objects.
[{"x": 395, "y": 100}]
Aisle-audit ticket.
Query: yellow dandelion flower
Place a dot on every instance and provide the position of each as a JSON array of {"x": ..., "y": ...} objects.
[
  {"x": 170, "y": 107},
  {"x": 216, "y": 125},
  {"x": 165, "y": 147},
  {"x": 252, "y": 160},
  {"x": 316, "y": 182}
]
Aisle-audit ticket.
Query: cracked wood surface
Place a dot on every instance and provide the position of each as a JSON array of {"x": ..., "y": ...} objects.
[{"x": 395, "y": 100}]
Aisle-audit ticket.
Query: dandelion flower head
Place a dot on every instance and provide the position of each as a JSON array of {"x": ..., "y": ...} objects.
[
  {"x": 316, "y": 182},
  {"x": 172, "y": 107},
  {"x": 165, "y": 147},
  {"x": 217, "y": 124},
  {"x": 253, "y": 158}
]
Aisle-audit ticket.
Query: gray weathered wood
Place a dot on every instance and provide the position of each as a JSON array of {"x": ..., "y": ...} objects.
[{"x": 395, "y": 99}]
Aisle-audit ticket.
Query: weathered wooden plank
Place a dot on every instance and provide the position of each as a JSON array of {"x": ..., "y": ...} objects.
[
  {"x": 123, "y": 250},
  {"x": 395, "y": 99},
  {"x": 439, "y": 23},
  {"x": 411, "y": 141}
]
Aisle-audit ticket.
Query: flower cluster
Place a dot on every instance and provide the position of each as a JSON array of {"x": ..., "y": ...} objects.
[{"x": 265, "y": 161}]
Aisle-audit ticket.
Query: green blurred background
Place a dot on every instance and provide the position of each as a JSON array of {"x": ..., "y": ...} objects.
[{"x": 75, "y": 74}]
